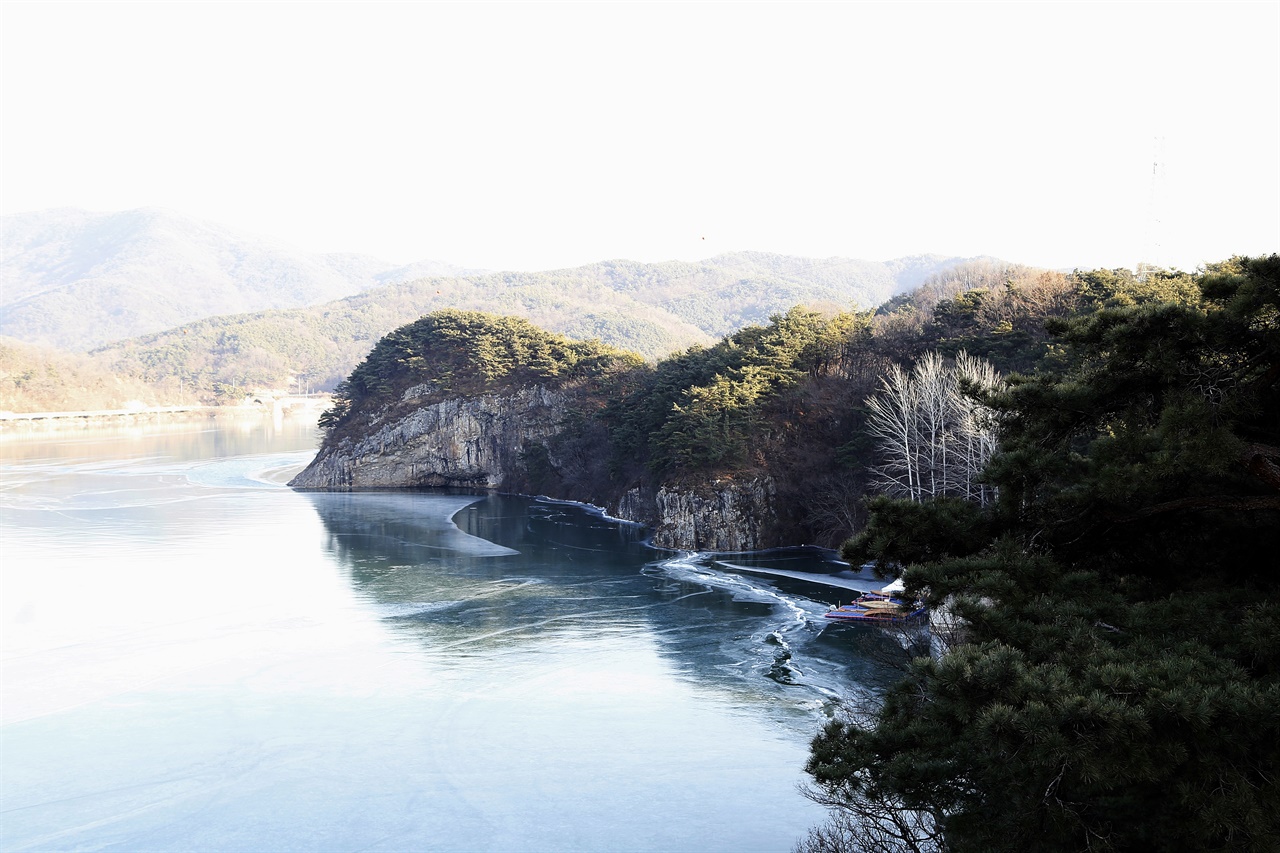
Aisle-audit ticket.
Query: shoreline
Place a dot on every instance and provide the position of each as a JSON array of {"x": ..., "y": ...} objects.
[
  {"x": 282, "y": 475},
  {"x": 32, "y": 422}
]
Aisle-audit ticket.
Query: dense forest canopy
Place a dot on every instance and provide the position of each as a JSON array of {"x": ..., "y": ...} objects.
[
  {"x": 459, "y": 353},
  {"x": 702, "y": 409},
  {"x": 793, "y": 398},
  {"x": 1118, "y": 677}
]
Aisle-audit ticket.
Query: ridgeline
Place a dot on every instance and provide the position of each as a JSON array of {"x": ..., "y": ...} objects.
[{"x": 1115, "y": 683}]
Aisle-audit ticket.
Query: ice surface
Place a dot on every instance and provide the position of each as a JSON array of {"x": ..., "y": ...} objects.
[
  {"x": 422, "y": 522},
  {"x": 856, "y": 584},
  {"x": 196, "y": 659}
]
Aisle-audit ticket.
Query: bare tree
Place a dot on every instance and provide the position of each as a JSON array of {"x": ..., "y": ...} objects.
[
  {"x": 935, "y": 390},
  {"x": 894, "y": 426},
  {"x": 934, "y": 436},
  {"x": 870, "y": 824},
  {"x": 833, "y": 507},
  {"x": 973, "y": 426}
]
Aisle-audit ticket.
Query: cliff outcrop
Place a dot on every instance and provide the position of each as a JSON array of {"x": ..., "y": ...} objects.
[
  {"x": 487, "y": 441},
  {"x": 474, "y": 442},
  {"x": 720, "y": 515},
  {"x": 479, "y": 401}
]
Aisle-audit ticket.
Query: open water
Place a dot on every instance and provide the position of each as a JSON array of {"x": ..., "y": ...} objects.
[{"x": 196, "y": 657}]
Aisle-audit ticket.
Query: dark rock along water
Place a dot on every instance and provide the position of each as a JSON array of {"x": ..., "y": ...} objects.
[{"x": 196, "y": 657}]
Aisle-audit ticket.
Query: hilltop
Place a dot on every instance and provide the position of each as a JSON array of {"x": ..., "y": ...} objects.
[
  {"x": 75, "y": 279},
  {"x": 191, "y": 311},
  {"x": 652, "y": 309}
]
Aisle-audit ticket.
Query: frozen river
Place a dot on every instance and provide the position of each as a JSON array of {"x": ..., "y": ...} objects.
[{"x": 196, "y": 657}]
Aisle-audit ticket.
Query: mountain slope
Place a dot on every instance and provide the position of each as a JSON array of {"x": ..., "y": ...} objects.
[
  {"x": 75, "y": 279},
  {"x": 653, "y": 309}
]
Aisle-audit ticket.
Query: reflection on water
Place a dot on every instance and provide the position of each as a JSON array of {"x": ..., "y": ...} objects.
[
  {"x": 470, "y": 572},
  {"x": 195, "y": 657}
]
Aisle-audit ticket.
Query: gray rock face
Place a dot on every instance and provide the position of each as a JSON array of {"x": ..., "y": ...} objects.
[
  {"x": 477, "y": 442},
  {"x": 474, "y": 442},
  {"x": 721, "y": 516}
]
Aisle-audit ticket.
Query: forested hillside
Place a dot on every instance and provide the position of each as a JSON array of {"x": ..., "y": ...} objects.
[
  {"x": 653, "y": 309},
  {"x": 454, "y": 353},
  {"x": 38, "y": 379},
  {"x": 1085, "y": 468},
  {"x": 74, "y": 279},
  {"x": 789, "y": 398},
  {"x": 1115, "y": 681}
]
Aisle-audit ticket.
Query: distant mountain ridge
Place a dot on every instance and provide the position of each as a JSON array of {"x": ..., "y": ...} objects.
[
  {"x": 651, "y": 309},
  {"x": 226, "y": 313},
  {"x": 75, "y": 279}
]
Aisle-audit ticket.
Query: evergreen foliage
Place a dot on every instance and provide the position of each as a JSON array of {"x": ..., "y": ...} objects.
[
  {"x": 1118, "y": 680},
  {"x": 652, "y": 309},
  {"x": 706, "y": 408},
  {"x": 465, "y": 352},
  {"x": 791, "y": 399}
]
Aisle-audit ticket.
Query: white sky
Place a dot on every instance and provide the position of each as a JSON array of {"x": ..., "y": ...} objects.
[{"x": 532, "y": 136}]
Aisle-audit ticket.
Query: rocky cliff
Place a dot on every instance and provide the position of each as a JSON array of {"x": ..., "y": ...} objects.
[
  {"x": 721, "y": 515},
  {"x": 485, "y": 442},
  {"x": 474, "y": 442}
]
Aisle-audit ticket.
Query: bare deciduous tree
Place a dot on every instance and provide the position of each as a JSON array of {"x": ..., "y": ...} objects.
[
  {"x": 934, "y": 435},
  {"x": 894, "y": 426},
  {"x": 833, "y": 507},
  {"x": 974, "y": 433}
]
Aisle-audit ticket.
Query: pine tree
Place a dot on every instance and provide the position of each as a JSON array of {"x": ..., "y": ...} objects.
[{"x": 1119, "y": 684}]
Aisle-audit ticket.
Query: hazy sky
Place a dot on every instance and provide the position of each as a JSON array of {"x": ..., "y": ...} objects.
[{"x": 531, "y": 135}]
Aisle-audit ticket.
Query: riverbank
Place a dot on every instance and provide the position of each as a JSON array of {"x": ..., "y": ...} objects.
[{"x": 30, "y": 422}]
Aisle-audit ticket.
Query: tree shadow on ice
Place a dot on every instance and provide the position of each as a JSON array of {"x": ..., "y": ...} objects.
[{"x": 477, "y": 574}]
